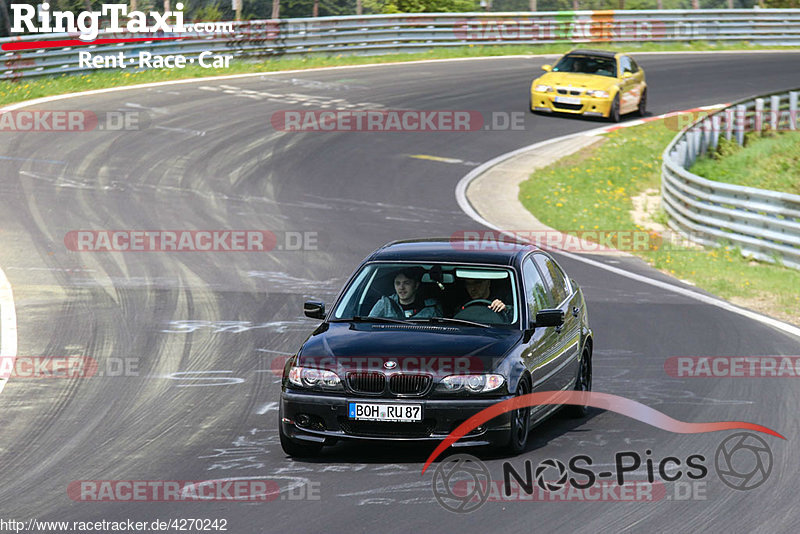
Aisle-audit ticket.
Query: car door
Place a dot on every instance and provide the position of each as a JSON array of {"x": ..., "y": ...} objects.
[
  {"x": 629, "y": 86},
  {"x": 562, "y": 296},
  {"x": 544, "y": 345}
]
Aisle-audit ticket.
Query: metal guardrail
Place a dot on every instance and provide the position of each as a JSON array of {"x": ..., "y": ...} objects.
[
  {"x": 382, "y": 34},
  {"x": 764, "y": 224}
]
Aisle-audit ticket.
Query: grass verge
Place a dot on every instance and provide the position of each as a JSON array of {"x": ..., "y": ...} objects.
[
  {"x": 17, "y": 91},
  {"x": 595, "y": 189},
  {"x": 767, "y": 161}
]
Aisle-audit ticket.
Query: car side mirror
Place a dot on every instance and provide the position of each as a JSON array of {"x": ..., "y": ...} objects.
[
  {"x": 549, "y": 318},
  {"x": 544, "y": 318},
  {"x": 314, "y": 309},
  {"x": 547, "y": 68}
]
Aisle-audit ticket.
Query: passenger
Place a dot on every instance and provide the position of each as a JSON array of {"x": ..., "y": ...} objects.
[
  {"x": 406, "y": 303},
  {"x": 479, "y": 289}
]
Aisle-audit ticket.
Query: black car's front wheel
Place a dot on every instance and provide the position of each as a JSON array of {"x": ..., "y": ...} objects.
[
  {"x": 298, "y": 449},
  {"x": 520, "y": 422},
  {"x": 583, "y": 383}
]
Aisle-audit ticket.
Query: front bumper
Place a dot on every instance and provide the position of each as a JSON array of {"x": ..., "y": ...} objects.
[
  {"x": 588, "y": 105},
  {"x": 319, "y": 417}
]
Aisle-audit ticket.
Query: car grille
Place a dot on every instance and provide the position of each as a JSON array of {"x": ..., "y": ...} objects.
[
  {"x": 573, "y": 107},
  {"x": 377, "y": 429},
  {"x": 573, "y": 92},
  {"x": 367, "y": 382},
  {"x": 404, "y": 384}
]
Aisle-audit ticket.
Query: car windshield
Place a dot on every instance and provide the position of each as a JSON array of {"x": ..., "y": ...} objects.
[
  {"x": 601, "y": 66},
  {"x": 431, "y": 292}
]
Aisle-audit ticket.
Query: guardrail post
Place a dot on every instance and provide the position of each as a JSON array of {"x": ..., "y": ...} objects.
[
  {"x": 775, "y": 112},
  {"x": 793, "y": 110},
  {"x": 739, "y": 126},
  {"x": 715, "y": 131},
  {"x": 729, "y": 120},
  {"x": 758, "y": 118}
]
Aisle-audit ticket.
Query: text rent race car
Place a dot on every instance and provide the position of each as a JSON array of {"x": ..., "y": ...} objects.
[
  {"x": 593, "y": 83},
  {"x": 427, "y": 333}
]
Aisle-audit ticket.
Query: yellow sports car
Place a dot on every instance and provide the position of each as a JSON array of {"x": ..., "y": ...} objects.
[{"x": 591, "y": 82}]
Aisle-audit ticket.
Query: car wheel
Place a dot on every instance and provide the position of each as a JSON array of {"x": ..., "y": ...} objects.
[
  {"x": 613, "y": 114},
  {"x": 298, "y": 449},
  {"x": 643, "y": 104},
  {"x": 520, "y": 422},
  {"x": 583, "y": 383}
]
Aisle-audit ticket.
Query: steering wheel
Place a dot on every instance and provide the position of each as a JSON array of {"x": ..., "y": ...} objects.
[{"x": 475, "y": 302}]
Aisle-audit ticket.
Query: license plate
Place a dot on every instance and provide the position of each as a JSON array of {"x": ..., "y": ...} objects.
[
  {"x": 400, "y": 413},
  {"x": 568, "y": 100}
]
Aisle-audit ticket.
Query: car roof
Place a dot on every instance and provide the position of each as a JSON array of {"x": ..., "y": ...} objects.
[
  {"x": 456, "y": 250},
  {"x": 592, "y": 52}
]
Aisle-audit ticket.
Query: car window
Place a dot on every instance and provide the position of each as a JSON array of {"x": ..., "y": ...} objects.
[
  {"x": 554, "y": 279},
  {"x": 579, "y": 64},
  {"x": 422, "y": 291},
  {"x": 625, "y": 63},
  {"x": 537, "y": 296},
  {"x": 634, "y": 66}
]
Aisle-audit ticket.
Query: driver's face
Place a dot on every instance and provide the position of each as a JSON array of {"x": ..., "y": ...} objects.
[
  {"x": 477, "y": 289},
  {"x": 406, "y": 288}
]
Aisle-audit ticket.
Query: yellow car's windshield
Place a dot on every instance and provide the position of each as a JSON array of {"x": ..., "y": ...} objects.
[{"x": 601, "y": 66}]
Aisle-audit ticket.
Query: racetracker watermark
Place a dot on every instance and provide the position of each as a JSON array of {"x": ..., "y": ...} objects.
[
  {"x": 31, "y": 120},
  {"x": 462, "y": 483},
  {"x": 189, "y": 241},
  {"x": 238, "y": 490},
  {"x": 733, "y": 366},
  {"x": 733, "y": 119},
  {"x": 601, "y": 26},
  {"x": 66, "y": 367},
  {"x": 573, "y": 240},
  {"x": 395, "y": 121},
  {"x": 431, "y": 365}
]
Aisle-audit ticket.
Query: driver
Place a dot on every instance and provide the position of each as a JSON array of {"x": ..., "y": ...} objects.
[
  {"x": 480, "y": 289},
  {"x": 406, "y": 302}
]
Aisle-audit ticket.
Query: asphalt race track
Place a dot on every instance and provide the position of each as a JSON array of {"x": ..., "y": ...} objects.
[{"x": 200, "y": 333}]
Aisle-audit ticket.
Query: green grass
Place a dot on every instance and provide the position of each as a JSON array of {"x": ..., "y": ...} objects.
[
  {"x": 593, "y": 190},
  {"x": 17, "y": 91},
  {"x": 767, "y": 161}
]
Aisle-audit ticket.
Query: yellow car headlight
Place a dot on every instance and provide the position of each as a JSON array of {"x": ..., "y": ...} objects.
[
  {"x": 542, "y": 88},
  {"x": 597, "y": 93}
]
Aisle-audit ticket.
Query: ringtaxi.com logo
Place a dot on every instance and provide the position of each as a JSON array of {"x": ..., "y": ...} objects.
[{"x": 189, "y": 241}]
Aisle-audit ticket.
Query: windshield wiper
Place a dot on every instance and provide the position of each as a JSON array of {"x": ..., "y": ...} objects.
[
  {"x": 448, "y": 320},
  {"x": 369, "y": 319}
]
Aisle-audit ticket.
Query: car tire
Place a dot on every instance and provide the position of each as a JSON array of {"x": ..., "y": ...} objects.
[
  {"x": 298, "y": 449},
  {"x": 583, "y": 382},
  {"x": 642, "y": 110},
  {"x": 613, "y": 113},
  {"x": 520, "y": 422}
]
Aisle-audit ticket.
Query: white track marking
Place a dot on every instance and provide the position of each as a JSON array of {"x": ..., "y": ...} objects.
[
  {"x": 466, "y": 207},
  {"x": 8, "y": 324}
]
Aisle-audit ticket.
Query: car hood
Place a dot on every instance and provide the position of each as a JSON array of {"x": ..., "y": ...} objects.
[
  {"x": 585, "y": 81},
  {"x": 438, "y": 350}
]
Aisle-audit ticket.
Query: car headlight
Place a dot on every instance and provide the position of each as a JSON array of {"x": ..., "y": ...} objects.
[
  {"x": 598, "y": 94},
  {"x": 471, "y": 383},
  {"x": 309, "y": 377},
  {"x": 542, "y": 88}
]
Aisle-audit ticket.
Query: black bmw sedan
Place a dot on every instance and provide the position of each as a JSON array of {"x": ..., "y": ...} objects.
[{"x": 427, "y": 333}]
